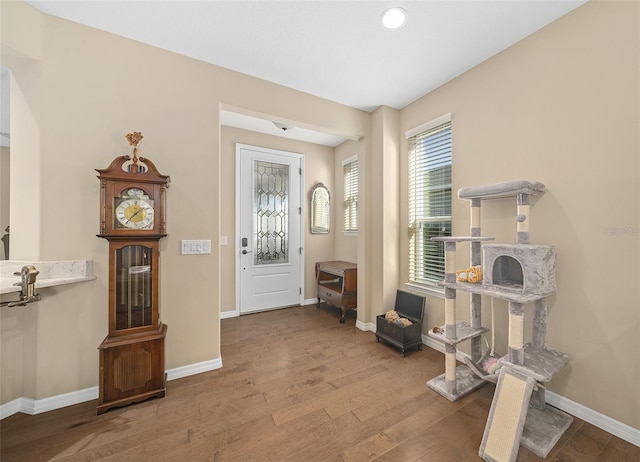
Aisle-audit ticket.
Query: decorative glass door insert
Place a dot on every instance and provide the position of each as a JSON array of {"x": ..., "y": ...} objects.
[{"x": 271, "y": 213}]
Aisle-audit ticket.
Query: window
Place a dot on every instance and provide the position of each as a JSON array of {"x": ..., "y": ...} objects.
[
  {"x": 429, "y": 199},
  {"x": 350, "y": 169}
]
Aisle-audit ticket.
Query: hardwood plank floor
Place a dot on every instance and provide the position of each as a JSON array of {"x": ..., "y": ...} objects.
[{"x": 296, "y": 385}]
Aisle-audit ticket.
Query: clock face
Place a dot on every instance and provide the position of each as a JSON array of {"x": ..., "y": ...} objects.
[{"x": 134, "y": 210}]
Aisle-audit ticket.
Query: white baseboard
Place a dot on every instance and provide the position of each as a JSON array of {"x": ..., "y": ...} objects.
[
  {"x": 235, "y": 313},
  {"x": 38, "y": 406},
  {"x": 59, "y": 401},
  {"x": 606, "y": 423},
  {"x": 438, "y": 346},
  {"x": 229, "y": 314},
  {"x": 366, "y": 326},
  {"x": 193, "y": 369},
  {"x": 10, "y": 408},
  {"x": 619, "y": 429}
]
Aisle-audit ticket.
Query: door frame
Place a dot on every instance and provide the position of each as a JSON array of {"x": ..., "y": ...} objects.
[{"x": 238, "y": 232}]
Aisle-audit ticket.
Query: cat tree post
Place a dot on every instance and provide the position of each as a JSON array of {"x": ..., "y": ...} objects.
[
  {"x": 475, "y": 308},
  {"x": 449, "y": 294},
  {"x": 538, "y": 340},
  {"x": 539, "y": 324},
  {"x": 522, "y": 218},
  {"x": 450, "y": 318},
  {"x": 516, "y": 332}
]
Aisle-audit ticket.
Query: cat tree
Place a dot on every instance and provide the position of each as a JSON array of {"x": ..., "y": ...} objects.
[{"x": 523, "y": 274}]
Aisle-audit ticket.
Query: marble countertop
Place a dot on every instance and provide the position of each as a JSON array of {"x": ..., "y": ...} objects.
[{"x": 51, "y": 273}]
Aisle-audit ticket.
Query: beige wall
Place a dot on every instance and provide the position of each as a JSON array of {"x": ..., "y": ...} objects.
[
  {"x": 562, "y": 107},
  {"x": 378, "y": 212},
  {"x": 84, "y": 90}
]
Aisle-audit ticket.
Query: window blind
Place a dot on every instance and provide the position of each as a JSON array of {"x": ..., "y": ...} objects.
[
  {"x": 429, "y": 202},
  {"x": 350, "y": 169}
]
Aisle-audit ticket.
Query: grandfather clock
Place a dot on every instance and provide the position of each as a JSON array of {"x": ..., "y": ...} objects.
[{"x": 132, "y": 219}]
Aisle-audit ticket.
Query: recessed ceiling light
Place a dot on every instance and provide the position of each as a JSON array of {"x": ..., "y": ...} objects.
[{"x": 394, "y": 17}]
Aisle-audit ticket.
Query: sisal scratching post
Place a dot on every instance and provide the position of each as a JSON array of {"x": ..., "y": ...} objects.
[{"x": 501, "y": 439}]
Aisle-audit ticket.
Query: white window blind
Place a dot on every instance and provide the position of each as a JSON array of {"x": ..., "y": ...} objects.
[
  {"x": 350, "y": 169},
  {"x": 429, "y": 201}
]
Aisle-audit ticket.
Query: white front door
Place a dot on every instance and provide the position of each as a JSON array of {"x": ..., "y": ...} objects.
[{"x": 269, "y": 228}]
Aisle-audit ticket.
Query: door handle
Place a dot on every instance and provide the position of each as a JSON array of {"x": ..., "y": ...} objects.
[{"x": 244, "y": 252}]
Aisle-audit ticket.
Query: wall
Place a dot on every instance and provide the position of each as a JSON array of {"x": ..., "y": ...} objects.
[
  {"x": 384, "y": 194},
  {"x": 85, "y": 89},
  {"x": 561, "y": 107},
  {"x": 318, "y": 166}
]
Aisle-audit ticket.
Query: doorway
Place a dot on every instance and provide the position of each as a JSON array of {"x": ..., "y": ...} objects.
[{"x": 269, "y": 232}]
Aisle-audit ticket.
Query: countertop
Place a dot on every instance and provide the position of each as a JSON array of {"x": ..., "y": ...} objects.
[{"x": 51, "y": 273}]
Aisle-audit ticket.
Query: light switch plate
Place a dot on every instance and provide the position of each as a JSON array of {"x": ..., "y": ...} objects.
[{"x": 195, "y": 246}]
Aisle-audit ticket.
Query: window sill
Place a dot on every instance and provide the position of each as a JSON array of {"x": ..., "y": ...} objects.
[
  {"x": 422, "y": 289},
  {"x": 350, "y": 233}
]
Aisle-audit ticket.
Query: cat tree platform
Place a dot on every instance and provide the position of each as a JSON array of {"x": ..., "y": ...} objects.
[
  {"x": 464, "y": 383},
  {"x": 539, "y": 363},
  {"x": 463, "y": 331},
  {"x": 543, "y": 429}
]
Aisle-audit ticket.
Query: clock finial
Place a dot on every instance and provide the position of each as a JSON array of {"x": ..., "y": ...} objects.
[{"x": 134, "y": 140}]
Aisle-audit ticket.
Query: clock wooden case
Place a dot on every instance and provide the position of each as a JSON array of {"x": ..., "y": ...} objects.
[{"x": 133, "y": 220}]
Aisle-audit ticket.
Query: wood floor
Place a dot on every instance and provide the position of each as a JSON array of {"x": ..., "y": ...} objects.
[{"x": 296, "y": 385}]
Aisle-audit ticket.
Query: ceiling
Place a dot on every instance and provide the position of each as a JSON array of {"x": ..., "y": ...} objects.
[{"x": 337, "y": 50}]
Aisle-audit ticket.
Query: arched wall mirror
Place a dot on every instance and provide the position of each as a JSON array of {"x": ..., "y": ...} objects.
[{"x": 320, "y": 209}]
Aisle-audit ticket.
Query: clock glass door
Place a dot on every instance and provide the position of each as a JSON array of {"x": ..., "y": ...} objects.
[{"x": 134, "y": 287}]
